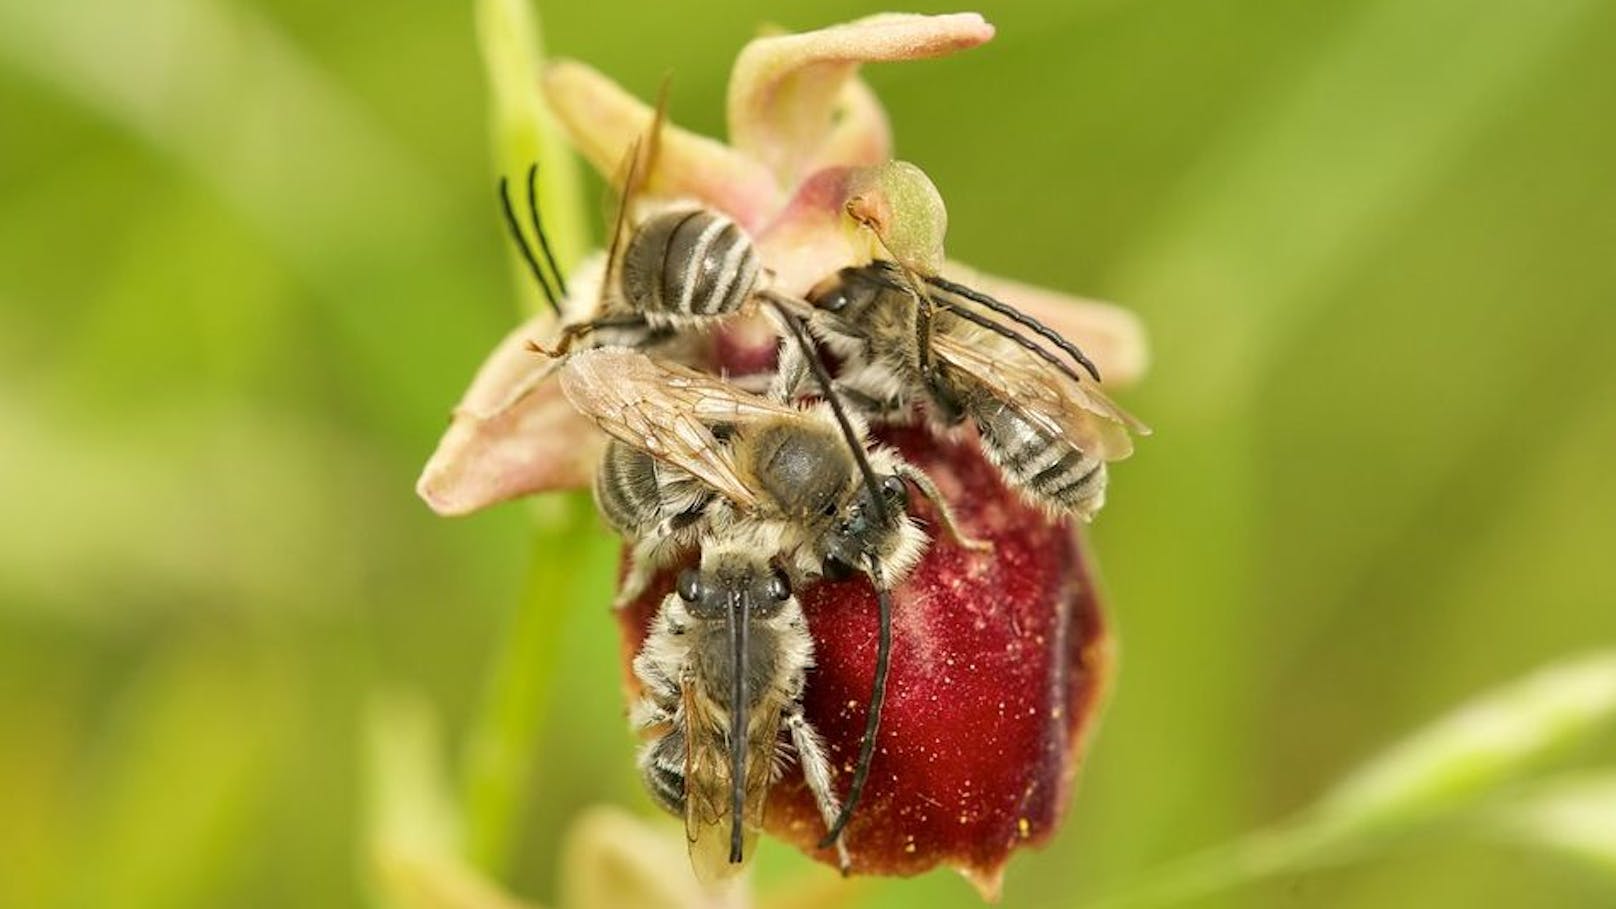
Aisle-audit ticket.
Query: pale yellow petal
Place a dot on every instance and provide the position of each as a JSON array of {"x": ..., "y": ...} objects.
[
  {"x": 538, "y": 445},
  {"x": 784, "y": 89},
  {"x": 861, "y": 135},
  {"x": 603, "y": 120},
  {"x": 613, "y": 859},
  {"x": 512, "y": 434}
]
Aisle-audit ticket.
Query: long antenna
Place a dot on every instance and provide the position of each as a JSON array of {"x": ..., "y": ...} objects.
[
  {"x": 538, "y": 227},
  {"x": 1003, "y": 331},
  {"x": 1016, "y": 315},
  {"x": 976, "y": 318},
  {"x": 878, "y": 694},
  {"x": 822, "y": 377},
  {"x": 521, "y": 243},
  {"x": 738, "y": 634}
]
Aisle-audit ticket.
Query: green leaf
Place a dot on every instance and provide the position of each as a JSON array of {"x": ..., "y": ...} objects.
[
  {"x": 501, "y": 749},
  {"x": 1576, "y": 817},
  {"x": 413, "y": 823},
  {"x": 1478, "y": 748},
  {"x": 409, "y": 805},
  {"x": 1441, "y": 773}
]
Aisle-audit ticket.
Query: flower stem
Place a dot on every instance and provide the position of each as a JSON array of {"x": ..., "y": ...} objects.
[
  {"x": 501, "y": 750},
  {"x": 524, "y": 132},
  {"x": 502, "y": 745}
]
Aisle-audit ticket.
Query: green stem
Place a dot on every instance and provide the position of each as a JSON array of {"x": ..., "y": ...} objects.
[
  {"x": 502, "y": 745},
  {"x": 524, "y": 133},
  {"x": 502, "y": 749}
]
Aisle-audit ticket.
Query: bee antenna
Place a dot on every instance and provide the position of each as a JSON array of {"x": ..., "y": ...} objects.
[
  {"x": 739, "y": 632},
  {"x": 878, "y": 693},
  {"x": 976, "y": 318},
  {"x": 522, "y": 244},
  {"x": 538, "y": 227},
  {"x": 1003, "y": 331},
  {"x": 822, "y": 377},
  {"x": 1019, "y": 317}
]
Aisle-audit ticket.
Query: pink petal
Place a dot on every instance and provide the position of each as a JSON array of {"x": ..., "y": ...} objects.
[
  {"x": 511, "y": 435},
  {"x": 784, "y": 89},
  {"x": 861, "y": 136},
  {"x": 1112, "y": 337},
  {"x": 815, "y": 235},
  {"x": 602, "y": 120},
  {"x": 812, "y": 237}
]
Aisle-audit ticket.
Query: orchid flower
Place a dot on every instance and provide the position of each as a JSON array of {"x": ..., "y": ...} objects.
[
  {"x": 1000, "y": 656},
  {"x": 807, "y": 135}
]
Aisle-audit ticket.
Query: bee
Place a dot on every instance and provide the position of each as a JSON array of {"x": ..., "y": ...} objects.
[
  {"x": 722, "y": 671},
  {"x": 697, "y": 460},
  {"x": 692, "y": 457},
  {"x": 904, "y": 340},
  {"x": 671, "y": 271},
  {"x": 669, "y": 274}
]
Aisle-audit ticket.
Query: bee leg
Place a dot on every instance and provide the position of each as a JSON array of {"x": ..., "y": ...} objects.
[
  {"x": 790, "y": 371},
  {"x": 816, "y": 772},
  {"x": 642, "y": 567},
  {"x": 792, "y": 368},
  {"x": 945, "y": 514},
  {"x": 572, "y": 333}
]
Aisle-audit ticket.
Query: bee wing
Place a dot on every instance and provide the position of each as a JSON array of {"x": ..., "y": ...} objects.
[
  {"x": 632, "y": 174},
  {"x": 668, "y": 412},
  {"x": 1078, "y": 411},
  {"x": 707, "y": 786}
]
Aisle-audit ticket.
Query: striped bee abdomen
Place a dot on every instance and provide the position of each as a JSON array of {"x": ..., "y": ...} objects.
[
  {"x": 627, "y": 491},
  {"x": 689, "y": 262},
  {"x": 1044, "y": 466},
  {"x": 662, "y": 767}
]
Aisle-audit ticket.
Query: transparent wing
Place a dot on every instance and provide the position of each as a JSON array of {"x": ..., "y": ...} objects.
[
  {"x": 707, "y": 787},
  {"x": 1078, "y": 411},
  {"x": 668, "y": 412}
]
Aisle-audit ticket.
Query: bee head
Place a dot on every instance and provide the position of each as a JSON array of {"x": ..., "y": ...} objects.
[
  {"x": 848, "y": 295},
  {"x": 862, "y": 530},
  {"x": 711, "y": 593},
  {"x": 735, "y": 588}
]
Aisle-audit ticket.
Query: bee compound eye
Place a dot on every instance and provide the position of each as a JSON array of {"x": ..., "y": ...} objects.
[
  {"x": 836, "y": 569},
  {"x": 779, "y": 587},
  {"x": 689, "y": 585},
  {"x": 832, "y": 299},
  {"x": 895, "y": 489}
]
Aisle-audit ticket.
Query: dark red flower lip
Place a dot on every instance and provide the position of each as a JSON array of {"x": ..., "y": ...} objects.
[{"x": 999, "y": 668}]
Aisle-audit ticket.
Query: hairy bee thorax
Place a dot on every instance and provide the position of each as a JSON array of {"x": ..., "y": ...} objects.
[
  {"x": 687, "y": 667},
  {"x": 868, "y": 321},
  {"x": 802, "y": 467}
]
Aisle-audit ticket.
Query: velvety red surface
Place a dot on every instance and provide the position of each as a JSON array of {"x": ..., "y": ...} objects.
[{"x": 998, "y": 662}]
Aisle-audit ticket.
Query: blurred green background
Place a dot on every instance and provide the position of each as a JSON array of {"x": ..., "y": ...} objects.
[{"x": 249, "y": 257}]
